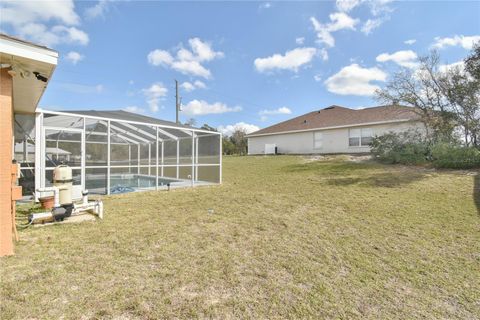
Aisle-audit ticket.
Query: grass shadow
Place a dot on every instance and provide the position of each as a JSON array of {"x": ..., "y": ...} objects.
[
  {"x": 382, "y": 180},
  {"x": 329, "y": 167},
  {"x": 365, "y": 173},
  {"x": 476, "y": 191}
]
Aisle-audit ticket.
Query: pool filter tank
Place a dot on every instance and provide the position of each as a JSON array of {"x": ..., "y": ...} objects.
[
  {"x": 62, "y": 179},
  {"x": 63, "y": 203}
]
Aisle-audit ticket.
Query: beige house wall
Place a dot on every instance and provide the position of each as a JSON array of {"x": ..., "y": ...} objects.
[{"x": 334, "y": 140}]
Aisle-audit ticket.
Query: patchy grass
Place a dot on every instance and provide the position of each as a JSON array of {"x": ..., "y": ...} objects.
[{"x": 287, "y": 239}]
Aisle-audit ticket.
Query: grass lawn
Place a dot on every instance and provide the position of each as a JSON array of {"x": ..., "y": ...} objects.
[{"x": 289, "y": 238}]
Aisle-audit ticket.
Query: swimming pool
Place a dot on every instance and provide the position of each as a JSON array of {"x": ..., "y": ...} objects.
[{"x": 121, "y": 183}]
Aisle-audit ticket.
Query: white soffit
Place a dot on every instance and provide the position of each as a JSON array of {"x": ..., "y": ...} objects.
[{"x": 27, "y": 90}]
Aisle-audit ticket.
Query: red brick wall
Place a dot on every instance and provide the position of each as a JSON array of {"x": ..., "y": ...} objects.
[{"x": 6, "y": 133}]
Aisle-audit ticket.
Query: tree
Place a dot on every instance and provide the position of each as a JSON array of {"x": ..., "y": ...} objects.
[
  {"x": 240, "y": 141},
  {"x": 446, "y": 98},
  {"x": 208, "y": 128},
  {"x": 472, "y": 62},
  {"x": 227, "y": 146},
  {"x": 191, "y": 122}
]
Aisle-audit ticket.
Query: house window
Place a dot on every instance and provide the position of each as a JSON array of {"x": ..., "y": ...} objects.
[
  {"x": 360, "y": 137},
  {"x": 366, "y": 137},
  {"x": 317, "y": 140}
]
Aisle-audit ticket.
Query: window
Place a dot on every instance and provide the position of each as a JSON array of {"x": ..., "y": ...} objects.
[
  {"x": 360, "y": 137},
  {"x": 317, "y": 140},
  {"x": 354, "y": 137},
  {"x": 366, "y": 137}
]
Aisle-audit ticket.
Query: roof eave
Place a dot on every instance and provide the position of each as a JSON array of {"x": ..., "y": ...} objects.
[{"x": 252, "y": 135}]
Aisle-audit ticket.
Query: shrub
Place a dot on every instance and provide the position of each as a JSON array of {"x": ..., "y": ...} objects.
[
  {"x": 404, "y": 148},
  {"x": 454, "y": 156}
]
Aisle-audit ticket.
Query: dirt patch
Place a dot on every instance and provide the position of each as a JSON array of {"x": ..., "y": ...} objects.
[{"x": 338, "y": 157}]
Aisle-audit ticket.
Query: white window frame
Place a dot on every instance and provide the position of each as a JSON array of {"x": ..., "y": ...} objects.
[
  {"x": 317, "y": 142},
  {"x": 361, "y": 134}
]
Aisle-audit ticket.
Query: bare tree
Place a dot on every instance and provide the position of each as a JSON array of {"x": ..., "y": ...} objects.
[{"x": 446, "y": 98}]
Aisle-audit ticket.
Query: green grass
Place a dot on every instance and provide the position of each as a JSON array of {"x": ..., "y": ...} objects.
[{"x": 288, "y": 239}]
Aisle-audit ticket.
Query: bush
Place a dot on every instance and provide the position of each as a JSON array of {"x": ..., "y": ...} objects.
[
  {"x": 455, "y": 156},
  {"x": 404, "y": 148}
]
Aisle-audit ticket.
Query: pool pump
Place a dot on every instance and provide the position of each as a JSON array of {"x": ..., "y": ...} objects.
[{"x": 63, "y": 206}]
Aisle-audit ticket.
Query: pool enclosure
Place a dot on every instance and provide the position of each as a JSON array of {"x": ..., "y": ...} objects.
[{"x": 114, "y": 151}]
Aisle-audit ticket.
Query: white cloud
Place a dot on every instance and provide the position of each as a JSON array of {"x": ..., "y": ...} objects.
[
  {"x": 200, "y": 85},
  {"x": 323, "y": 53},
  {"x": 317, "y": 77},
  {"x": 41, "y": 34},
  {"x": 74, "y": 57},
  {"x": 410, "y": 41},
  {"x": 98, "y": 10},
  {"x": 291, "y": 60},
  {"x": 228, "y": 130},
  {"x": 446, "y": 67},
  {"x": 281, "y": 110},
  {"x": 201, "y": 107},
  {"x": 187, "y": 61},
  {"x": 193, "y": 68},
  {"x": 338, "y": 21},
  {"x": 19, "y": 13},
  {"x": 31, "y": 20},
  {"x": 465, "y": 42},
  {"x": 188, "y": 86},
  {"x": 300, "y": 40},
  {"x": 134, "y": 109},
  {"x": 404, "y": 58},
  {"x": 377, "y": 7},
  {"x": 159, "y": 57},
  {"x": 153, "y": 94},
  {"x": 372, "y": 24},
  {"x": 347, "y": 5},
  {"x": 355, "y": 80}
]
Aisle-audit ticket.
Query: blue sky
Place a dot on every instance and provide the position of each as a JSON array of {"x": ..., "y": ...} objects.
[{"x": 247, "y": 63}]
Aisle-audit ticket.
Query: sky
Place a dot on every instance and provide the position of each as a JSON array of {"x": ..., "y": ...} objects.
[{"x": 239, "y": 64}]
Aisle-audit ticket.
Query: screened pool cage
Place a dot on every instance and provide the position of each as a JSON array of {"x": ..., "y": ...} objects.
[{"x": 114, "y": 152}]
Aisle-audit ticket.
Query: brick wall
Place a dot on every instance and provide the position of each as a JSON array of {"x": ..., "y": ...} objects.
[{"x": 6, "y": 133}]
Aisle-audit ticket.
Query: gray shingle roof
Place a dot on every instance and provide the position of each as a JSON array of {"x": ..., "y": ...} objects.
[{"x": 126, "y": 116}]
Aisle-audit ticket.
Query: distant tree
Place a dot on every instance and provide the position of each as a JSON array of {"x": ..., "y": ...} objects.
[
  {"x": 191, "y": 122},
  {"x": 240, "y": 141},
  {"x": 208, "y": 128},
  {"x": 228, "y": 146}
]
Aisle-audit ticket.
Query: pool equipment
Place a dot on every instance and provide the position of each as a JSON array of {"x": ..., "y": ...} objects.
[{"x": 63, "y": 205}]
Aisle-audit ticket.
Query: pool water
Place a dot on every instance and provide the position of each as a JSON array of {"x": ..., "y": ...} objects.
[{"x": 125, "y": 182}]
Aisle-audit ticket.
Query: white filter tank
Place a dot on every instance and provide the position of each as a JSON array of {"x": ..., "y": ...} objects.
[{"x": 62, "y": 179}]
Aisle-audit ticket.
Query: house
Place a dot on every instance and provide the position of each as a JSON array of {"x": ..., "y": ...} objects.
[
  {"x": 334, "y": 129},
  {"x": 25, "y": 69},
  {"x": 107, "y": 151}
]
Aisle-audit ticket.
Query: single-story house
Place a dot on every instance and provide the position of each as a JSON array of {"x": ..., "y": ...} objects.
[
  {"x": 25, "y": 70},
  {"x": 334, "y": 129}
]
